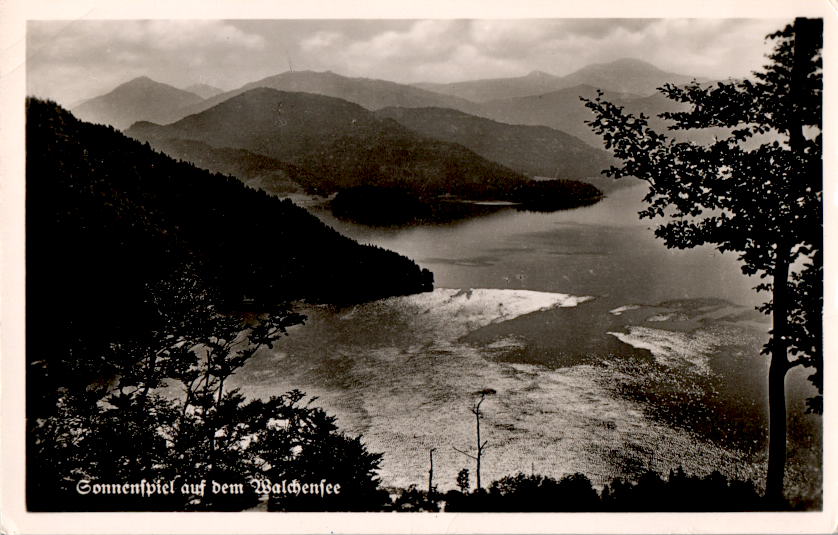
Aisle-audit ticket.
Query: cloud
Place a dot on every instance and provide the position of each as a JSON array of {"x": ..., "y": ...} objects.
[
  {"x": 66, "y": 41},
  {"x": 424, "y": 39},
  {"x": 320, "y": 41},
  {"x": 451, "y": 50},
  {"x": 85, "y": 58}
]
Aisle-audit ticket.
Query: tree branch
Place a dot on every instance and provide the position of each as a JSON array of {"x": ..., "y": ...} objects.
[{"x": 464, "y": 453}]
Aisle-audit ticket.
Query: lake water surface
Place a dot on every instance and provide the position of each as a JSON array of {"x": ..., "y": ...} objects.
[{"x": 609, "y": 353}]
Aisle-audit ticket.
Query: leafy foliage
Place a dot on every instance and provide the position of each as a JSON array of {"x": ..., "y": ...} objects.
[
  {"x": 301, "y": 442},
  {"x": 141, "y": 266},
  {"x": 165, "y": 415},
  {"x": 756, "y": 192},
  {"x": 463, "y": 482}
]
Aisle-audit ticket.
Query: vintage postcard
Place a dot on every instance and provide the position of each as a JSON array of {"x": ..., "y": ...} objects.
[{"x": 481, "y": 268}]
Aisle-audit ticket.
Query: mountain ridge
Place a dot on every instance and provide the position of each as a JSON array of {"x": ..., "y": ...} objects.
[
  {"x": 341, "y": 142},
  {"x": 627, "y": 75},
  {"x": 369, "y": 93},
  {"x": 532, "y": 150}
]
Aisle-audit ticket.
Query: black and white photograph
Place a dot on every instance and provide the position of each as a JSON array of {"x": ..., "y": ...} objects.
[{"x": 424, "y": 266}]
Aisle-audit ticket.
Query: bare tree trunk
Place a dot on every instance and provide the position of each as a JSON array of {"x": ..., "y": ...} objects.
[
  {"x": 479, "y": 448},
  {"x": 431, "y": 475},
  {"x": 805, "y": 31},
  {"x": 777, "y": 383}
]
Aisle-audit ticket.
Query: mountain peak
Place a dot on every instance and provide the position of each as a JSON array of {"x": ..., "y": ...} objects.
[
  {"x": 625, "y": 75},
  {"x": 539, "y": 74},
  {"x": 141, "y": 81},
  {"x": 138, "y": 99}
]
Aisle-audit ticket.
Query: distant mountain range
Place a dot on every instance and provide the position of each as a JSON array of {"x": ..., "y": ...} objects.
[
  {"x": 626, "y": 75},
  {"x": 370, "y": 93},
  {"x": 533, "y": 150},
  {"x": 141, "y": 99},
  {"x": 561, "y": 109},
  {"x": 621, "y": 76},
  {"x": 533, "y": 83},
  {"x": 341, "y": 143},
  {"x": 322, "y": 131},
  {"x": 564, "y": 110}
]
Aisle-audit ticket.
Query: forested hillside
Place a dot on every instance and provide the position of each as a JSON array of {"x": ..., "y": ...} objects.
[
  {"x": 109, "y": 219},
  {"x": 340, "y": 143}
]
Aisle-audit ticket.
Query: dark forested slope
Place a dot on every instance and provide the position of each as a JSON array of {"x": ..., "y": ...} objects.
[
  {"x": 108, "y": 218},
  {"x": 340, "y": 143},
  {"x": 255, "y": 170}
]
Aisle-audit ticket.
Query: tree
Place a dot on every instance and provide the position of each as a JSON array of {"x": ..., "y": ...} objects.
[
  {"x": 127, "y": 428},
  {"x": 132, "y": 427},
  {"x": 292, "y": 440},
  {"x": 463, "y": 482},
  {"x": 756, "y": 192},
  {"x": 480, "y": 445}
]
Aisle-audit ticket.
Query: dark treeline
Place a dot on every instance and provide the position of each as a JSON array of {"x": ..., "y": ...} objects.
[
  {"x": 650, "y": 492},
  {"x": 559, "y": 194},
  {"x": 135, "y": 264},
  {"x": 392, "y": 205}
]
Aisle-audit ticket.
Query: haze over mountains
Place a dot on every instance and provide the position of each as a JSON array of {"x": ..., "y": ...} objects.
[
  {"x": 144, "y": 100},
  {"x": 323, "y": 131},
  {"x": 625, "y": 75}
]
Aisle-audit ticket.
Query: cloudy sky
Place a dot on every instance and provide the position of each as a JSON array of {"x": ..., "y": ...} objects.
[{"x": 74, "y": 60}]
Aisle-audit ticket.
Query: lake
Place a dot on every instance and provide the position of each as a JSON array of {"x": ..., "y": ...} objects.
[{"x": 609, "y": 354}]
